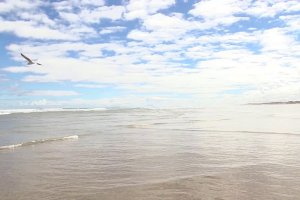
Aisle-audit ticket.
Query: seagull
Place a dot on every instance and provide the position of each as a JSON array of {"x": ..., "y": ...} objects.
[{"x": 30, "y": 62}]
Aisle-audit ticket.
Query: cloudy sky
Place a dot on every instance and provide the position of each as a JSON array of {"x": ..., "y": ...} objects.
[{"x": 148, "y": 53}]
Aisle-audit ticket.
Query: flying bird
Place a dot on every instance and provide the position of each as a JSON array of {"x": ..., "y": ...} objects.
[{"x": 30, "y": 62}]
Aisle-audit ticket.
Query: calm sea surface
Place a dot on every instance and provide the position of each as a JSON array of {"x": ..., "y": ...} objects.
[{"x": 240, "y": 153}]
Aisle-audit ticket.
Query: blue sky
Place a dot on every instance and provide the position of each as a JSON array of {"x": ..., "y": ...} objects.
[{"x": 148, "y": 53}]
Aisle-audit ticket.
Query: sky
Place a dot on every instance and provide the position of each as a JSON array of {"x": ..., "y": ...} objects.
[{"x": 148, "y": 53}]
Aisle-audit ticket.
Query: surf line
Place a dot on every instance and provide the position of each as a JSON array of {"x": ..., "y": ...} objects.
[{"x": 34, "y": 142}]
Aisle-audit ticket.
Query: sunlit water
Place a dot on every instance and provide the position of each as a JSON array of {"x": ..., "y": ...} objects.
[{"x": 241, "y": 153}]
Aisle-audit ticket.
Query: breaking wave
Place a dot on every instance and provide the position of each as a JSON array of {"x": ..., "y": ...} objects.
[
  {"x": 7, "y": 112},
  {"x": 34, "y": 142}
]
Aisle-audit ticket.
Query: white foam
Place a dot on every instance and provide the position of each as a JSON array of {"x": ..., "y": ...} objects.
[
  {"x": 34, "y": 142},
  {"x": 11, "y": 111},
  {"x": 4, "y": 113},
  {"x": 73, "y": 137},
  {"x": 10, "y": 146}
]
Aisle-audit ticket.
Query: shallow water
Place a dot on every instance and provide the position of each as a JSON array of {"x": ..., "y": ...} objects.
[{"x": 245, "y": 152}]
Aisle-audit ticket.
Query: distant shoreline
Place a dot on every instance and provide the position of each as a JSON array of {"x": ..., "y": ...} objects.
[{"x": 275, "y": 103}]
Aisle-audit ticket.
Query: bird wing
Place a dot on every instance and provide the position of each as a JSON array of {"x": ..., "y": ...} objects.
[
  {"x": 38, "y": 63},
  {"x": 28, "y": 59}
]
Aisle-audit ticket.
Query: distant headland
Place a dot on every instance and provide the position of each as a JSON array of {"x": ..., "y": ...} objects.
[{"x": 274, "y": 103}]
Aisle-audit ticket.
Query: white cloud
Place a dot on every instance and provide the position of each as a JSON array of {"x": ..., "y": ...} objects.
[
  {"x": 92, "y": 14},
  {"x": 84, "y": 85},
  {"x": 160, "y": 27},
  {"x": 217, "y": 12},
  {"x": 63, "y": 5},
  {"x": 276, "y": 39},
  {"x": 122, "y": 101},
  {"x": 227, "y": 12},
  {"x": 70, "y": 17},
  {"x": 222, "y": 70},
  {"x": 142, "y": 8},
  {"x": 105, "y": 12},
  {"x": 181, "y": 54},
  {"x": 292, "y": 22},
  {"x": 272, "y": 8},
  {"x": 82, "y": 31},
  {"x": 211, "y": 9},
  {"x": 8, "y": 6},
  {"x": 66, "y": 5},
  {"x": 161, "y": 21},
  {"x": 25, "y": 29},
  {"x": 37, "y": 18},
  {"x": 52, "y": 93},
  {"x": 41, "y": 102},
  {"x": 62, "y": 49},
  {"x": 92, "y": 2}
]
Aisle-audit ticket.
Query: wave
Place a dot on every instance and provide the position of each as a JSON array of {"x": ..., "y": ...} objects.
[
  {"x": 4, "y": 112},
  {"x": 7, "y": 112},
  {"x": 228, "y": 131},
  {"x": 256, "y": 132},
  {"x": 245, "y": 131},
  {"x": 34, "y": 142}
]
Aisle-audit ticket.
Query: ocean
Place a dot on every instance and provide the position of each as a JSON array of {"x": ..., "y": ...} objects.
[{"x": 226, "y": 153}]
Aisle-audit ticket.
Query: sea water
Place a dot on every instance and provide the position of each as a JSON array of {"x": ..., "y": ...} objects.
[{"x": 230, "y": 153}]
